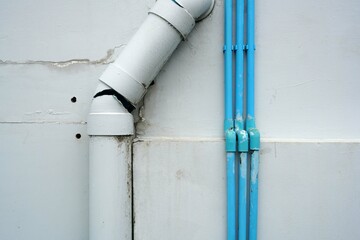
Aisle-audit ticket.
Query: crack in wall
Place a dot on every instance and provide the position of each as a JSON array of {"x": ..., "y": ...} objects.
[
  {"x": 107, "y": 59},
  {"x": 44, "y": 122}
]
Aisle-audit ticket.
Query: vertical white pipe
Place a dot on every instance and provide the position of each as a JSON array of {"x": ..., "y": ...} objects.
[{"x": 110, "y": 188}]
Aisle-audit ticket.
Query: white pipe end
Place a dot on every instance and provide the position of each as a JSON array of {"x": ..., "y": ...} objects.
[{"x": 108, "y": 117}]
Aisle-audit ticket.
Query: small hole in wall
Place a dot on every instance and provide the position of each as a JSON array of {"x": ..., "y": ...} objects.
[
  {"x": 78, "y": 135},
  {"x": 73, "y": 99}
]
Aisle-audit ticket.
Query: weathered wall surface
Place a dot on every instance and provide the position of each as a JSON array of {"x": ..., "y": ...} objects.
[{"x": 308, "y": 56}]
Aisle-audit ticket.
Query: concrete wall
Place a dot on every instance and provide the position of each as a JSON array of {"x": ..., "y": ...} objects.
[{"x": 308, "y": 57}]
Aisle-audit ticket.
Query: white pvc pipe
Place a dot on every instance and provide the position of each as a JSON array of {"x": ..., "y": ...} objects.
[
  {"x": 142, "y": 58},
  {"x": 110, "y": 188},
  {"x": 146, "y": 65},
  {"x": 148, "y": 50},
  {"x": 111, "y": 126}
]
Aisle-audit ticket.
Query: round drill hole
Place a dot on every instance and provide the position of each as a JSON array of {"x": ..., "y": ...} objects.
[
  {"x": 73, "y": 99},
  {"x": 78, "y": 135}
]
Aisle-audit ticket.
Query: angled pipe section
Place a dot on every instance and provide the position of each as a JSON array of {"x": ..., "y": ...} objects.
[
  {"x": 167, "y": 24},
  {"x": 110, "y": 122}
]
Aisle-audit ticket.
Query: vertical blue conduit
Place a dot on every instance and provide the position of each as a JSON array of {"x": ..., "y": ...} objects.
[
  {"x": 242, "y": 136},
  {"x": 230, "y": 135},
  {"x": 250, "y": 62},
  {"x": 228, "y": 65},
  {"x": 231, "y": 200},
  {"x": 254, "y": 134},
  {"x": 254, "y": 195}
]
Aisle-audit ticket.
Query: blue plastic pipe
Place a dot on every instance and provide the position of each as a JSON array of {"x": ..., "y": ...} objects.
[
  {"x": 243, "y": 195},
  {"x": 254, "y": 135},
  {"x": 231, "y": 197},
  {"x": 239, "y": 62},
  {"x": 228, "y": 62},
  {"x": 254, "y": 195},
  {"x": 230, "y": 135},
  {"x": 251, "y": 59},
  {"x": 242, "y": 135}
]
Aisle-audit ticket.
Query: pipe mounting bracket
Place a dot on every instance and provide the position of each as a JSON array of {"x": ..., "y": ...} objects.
[
  {"x": 230, "y": 136},
  {"x": 254, "y": 136},
  {"x": 242, "y": 136}
]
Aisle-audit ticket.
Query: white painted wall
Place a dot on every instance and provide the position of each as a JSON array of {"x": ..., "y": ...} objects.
[{"x": 308, "y": 58}]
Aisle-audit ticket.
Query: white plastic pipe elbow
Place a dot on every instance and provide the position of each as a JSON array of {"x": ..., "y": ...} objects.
[{"x": 168, "y": 23}]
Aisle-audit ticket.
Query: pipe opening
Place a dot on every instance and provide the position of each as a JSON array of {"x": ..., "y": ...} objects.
[{"x": 129, "y": 107}]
